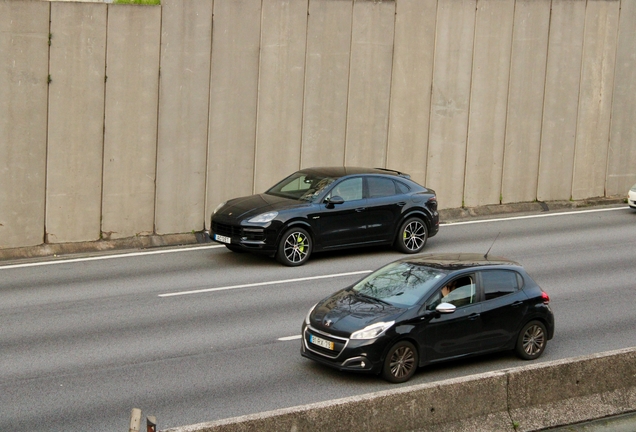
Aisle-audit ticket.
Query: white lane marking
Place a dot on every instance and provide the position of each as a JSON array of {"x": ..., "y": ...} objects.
[
  {"x": 258, "y": 284},
  {"x": 189, "y": 249},
  {"x": 530, "y": 216},
  {"x": 105, "y": 257},
  {"x": 289, "y": 338}
]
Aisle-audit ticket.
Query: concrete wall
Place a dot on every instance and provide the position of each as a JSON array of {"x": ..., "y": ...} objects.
[
  {"x": 156, "y": 114},
  {"x": 526, "y": 398}
]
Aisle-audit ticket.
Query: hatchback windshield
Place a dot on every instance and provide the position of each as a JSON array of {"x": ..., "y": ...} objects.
[
  {"x": 400, "y": 283},
  {"x": 301, "y": 186}
]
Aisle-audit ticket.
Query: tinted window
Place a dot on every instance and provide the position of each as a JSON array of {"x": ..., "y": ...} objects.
[
  {"x": 498, "y": 283},
  {"x": 380, "y": 187},
  {"x": 402, "y": 188}
]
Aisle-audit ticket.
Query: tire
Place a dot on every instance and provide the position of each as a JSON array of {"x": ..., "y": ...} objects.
[
  {"x": 400, "y": 363},
  {"x": 412, "y": 236},
  {"x": 234, "y": 248},
  {"x": 531, "y": 341},
  {"x": 295, "y": 247}
]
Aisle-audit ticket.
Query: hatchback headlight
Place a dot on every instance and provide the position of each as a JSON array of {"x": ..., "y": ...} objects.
[
  {"x": 264, "y": 218},
  {"x": 373, "y": 331},
  {"x": 309, "y": 313}
]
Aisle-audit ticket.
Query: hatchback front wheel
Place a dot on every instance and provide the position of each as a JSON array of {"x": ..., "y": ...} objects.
[{"x": 400, "y": 363}]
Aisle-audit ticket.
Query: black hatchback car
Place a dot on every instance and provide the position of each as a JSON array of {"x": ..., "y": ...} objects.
[
  {"x": 318, "y": 209},
  {"x": 427, "y": 309}
]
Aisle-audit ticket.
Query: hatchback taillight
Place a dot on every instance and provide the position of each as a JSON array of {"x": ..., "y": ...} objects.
[{"x": 545, "y": 297}]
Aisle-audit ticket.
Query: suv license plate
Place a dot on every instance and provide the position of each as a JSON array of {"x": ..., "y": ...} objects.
[{"x": 222, "y": 239}]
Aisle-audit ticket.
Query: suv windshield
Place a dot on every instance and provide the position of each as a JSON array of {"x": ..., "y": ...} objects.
[
  {"x": 301, "y": 186},
  {"x": 399, "y": 283}
]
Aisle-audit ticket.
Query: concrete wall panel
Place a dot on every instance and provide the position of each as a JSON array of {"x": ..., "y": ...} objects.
[
  {"x": 563, "y": 78},
  {"x": 411, "y": 82},
  {"x": 326, "y": 82},
  {"x": 525, "y": 100},
  {"x": 234, "y": 88},
  {"x": 595, "y": 101},
  {"x": 621, "y": 169},
  {"x": 130, "y": 137},
  {"x": 76, "y": 122},
  {"x": 182, "y": 141},
  {"x": 488, "y": 102},
  {"x": 24, "y": 33},
  {"x": 369, "y": 83},
  {"x": 281, "y": 84},
  {"x": 450, "y": 100}
]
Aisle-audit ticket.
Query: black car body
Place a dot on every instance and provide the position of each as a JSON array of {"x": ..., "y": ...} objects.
[
  {"x": 403, "y": 316},
  {"x": 318, "y": 209}
]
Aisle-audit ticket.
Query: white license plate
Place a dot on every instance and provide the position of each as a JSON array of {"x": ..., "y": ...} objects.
[
  {"x": 321, "y": 342},
  {"x": 222, "y": 239}
]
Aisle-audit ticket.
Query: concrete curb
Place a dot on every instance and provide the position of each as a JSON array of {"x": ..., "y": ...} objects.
[
  {"x": 152, "y": 241},
  {"x": 527, "y": 398}
]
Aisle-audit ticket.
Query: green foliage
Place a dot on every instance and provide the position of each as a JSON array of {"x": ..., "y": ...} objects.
[{"x": 138, "y": 2}]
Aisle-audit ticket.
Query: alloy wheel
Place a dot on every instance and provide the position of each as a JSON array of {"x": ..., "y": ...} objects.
[
  {"x": 414, "y": 235},
  {"x": 296, "y": 247},
  {"x": 533, "y": 340},
  {"x": 402, "y": 362}
]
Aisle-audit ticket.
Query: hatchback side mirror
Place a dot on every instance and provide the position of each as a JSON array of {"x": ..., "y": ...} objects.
[
  {"x": 445, "y": 308},
  {"x": 334, "y": 200}
]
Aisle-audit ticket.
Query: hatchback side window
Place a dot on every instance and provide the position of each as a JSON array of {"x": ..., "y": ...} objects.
[
  {"x": 380, "y": 187},
  {"x": 458, "y": 292},
  {"x": 348, "y": 190},
  {"x": 497, "y": 283}
]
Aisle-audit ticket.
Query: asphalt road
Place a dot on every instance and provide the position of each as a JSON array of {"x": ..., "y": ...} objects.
[{"x": 198, "y": 334}]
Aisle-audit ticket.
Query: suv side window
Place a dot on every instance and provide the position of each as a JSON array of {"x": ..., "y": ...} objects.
[
  {"x": 380, "y": 187},
  {"x": 497, "y": 283},
  {"x": 349, "y": 189}
]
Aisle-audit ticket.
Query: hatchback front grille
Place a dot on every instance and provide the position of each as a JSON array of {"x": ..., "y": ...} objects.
[{"x": 338, "y": 343}]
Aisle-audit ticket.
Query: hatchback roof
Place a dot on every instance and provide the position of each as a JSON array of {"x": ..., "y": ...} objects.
[{"x": 458, "y": 261}]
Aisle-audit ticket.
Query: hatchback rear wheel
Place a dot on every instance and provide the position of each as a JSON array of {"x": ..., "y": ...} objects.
[
  {"x": 531, "y": 341},
  {"x": 294, "y": 248},
  {"x": 400, "y": 363}
]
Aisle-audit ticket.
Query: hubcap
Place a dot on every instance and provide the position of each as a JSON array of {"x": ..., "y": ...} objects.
[
  {"x": 414, "y": 235},
  {"x": 296, "y": 247},
  {"x": 402, "y": 362},
  {"x": 533, "y": 340}
]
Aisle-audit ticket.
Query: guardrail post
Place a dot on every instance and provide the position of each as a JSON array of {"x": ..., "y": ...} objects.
[
  {"x": 135, "y": 420},
  {"x": 151, "y": 424}
]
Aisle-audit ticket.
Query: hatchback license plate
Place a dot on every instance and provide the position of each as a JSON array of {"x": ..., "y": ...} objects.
[
  {"x": 321, "y": 342},
  {"x": 222, "y": 239}
]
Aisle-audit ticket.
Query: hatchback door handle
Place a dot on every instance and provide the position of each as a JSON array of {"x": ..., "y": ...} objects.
[
  {"x": 473, "y": 316},
  {"x": 360, "y": 209},
  {"x": 401, "y": 204},
  {"x": 517, "y": 304}
]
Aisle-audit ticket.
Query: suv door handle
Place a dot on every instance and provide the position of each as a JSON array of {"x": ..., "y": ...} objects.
[
  {"x": 401, "y": 204},
  {"x": 360, "y": 209}
]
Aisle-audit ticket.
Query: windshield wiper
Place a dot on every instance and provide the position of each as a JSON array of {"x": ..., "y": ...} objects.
[{"x": 368, "y": 297}]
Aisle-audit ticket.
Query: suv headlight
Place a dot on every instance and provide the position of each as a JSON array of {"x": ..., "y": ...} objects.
[
  {"x": 219, "y": 207},
  {"x": 264, "y": 218},
  {"x": 372, "y": 331}
]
